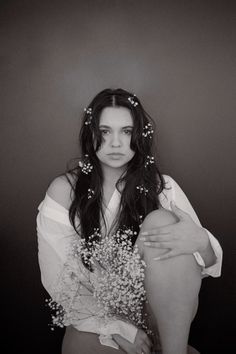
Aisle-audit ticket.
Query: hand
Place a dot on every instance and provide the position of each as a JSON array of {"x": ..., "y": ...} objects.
[
  {"x": 183, "y": 237},
  {"x": 141, "y": 345}
]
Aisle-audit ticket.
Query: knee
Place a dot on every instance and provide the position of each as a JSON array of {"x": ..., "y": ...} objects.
[
  {"x": 183, "y": 265},
  {"x": 155, "y": 219}
]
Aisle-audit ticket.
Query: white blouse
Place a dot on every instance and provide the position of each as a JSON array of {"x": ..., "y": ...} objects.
[{"x": 55, "y": 236}]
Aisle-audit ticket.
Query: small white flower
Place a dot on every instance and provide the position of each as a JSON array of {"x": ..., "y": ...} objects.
[
  {"x": 149, "y": 161},
  {"x": 133, "y": 101},
  {"x": 148, "y": 130},
  {"x": 119, "y": 286},
  {"x": 90, "y": 193},
  {"x": 142, "y": 189}
]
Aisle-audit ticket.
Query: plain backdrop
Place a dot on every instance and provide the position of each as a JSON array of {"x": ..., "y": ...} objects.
[{"x": 179, "y": 58}]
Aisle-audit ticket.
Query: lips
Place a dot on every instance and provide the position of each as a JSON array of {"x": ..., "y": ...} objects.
[{"x": 115, "y": 154}]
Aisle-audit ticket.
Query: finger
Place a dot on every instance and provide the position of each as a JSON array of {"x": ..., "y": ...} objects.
[
  {"x": 145, "y": 348},
  {"x": 158, "y": 238},
  {"x": 167, "y": 255},
  {"x": 157, "y": 231},
  {"x": 164, "y": 244},
  {"x": 121, "y": 341}
]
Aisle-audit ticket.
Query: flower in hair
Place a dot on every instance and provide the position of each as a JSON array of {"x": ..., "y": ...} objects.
[
  {"x": 149, "y": 161},
  {"x": 88, "y": 121},
  {"x": 142, "y": 189},
  {"x": 89, "y": 114},
  {"x": 86, "y": 166},
  {"x": 90, "y": 193},
  {"x": 133, "y": 101},
  {"x": 140, "y": 220},
  {"x": 88, "y": 110},
  {"x": 148, "y": 130}
]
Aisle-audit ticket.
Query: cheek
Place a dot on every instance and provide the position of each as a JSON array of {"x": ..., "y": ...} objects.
[
  {"x": 132, "y": 153},
  {"x": 100, "y": 154},
  {"x": 130, "y": 145},
  {"x": 103, "y": 143},
  {"x": 102, "y": 148}
]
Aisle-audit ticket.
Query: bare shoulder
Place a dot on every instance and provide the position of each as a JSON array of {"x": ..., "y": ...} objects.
[
  {"x": 159, "y": 217},
  {"x": 60, "y": 190}
]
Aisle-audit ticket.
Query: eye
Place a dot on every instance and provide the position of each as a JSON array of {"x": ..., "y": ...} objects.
[
  {"x": 127, "y": 131},
  {"x": 104, "y": 131}
]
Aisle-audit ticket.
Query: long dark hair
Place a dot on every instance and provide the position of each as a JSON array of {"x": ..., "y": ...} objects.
[{"x": 142, "y": 169}]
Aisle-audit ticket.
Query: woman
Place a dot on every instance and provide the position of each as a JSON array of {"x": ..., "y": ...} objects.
[{"x": 117, "y": 183}]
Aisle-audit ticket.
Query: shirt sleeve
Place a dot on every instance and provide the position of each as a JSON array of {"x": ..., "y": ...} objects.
[
  {"x": 54, "y": 234},
  {"x": 174, "y": 193}
]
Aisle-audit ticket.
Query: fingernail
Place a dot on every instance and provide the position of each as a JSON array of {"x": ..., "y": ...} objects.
[
  {"x": 144, "y": 233},
  {"x": 157, "y": 258},
  {"x": 147, "y": 243}
]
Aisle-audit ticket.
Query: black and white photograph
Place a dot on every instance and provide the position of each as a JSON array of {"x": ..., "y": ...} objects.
[{"x": 118, "y": 176}]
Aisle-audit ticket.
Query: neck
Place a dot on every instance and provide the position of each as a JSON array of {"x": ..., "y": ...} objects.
[{"x": 111, "y": 175}]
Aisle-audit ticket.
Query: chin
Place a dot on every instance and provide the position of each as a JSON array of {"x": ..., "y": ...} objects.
[{"x": 115, "y": 164}]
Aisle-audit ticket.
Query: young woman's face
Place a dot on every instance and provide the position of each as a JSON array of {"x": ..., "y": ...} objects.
[{"x": 116, "y": 125}]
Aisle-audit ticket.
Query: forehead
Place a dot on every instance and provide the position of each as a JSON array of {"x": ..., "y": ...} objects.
[{"x": 116, "y": 117}]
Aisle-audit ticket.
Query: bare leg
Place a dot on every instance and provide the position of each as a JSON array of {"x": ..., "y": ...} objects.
[{"x": 172, "y": 287}]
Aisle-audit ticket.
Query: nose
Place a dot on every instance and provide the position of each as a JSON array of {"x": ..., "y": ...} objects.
[{"x": 115, "y": 140}]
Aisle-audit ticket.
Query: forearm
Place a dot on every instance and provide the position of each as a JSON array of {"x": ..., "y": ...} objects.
[
  {"x": 207, "y": 252},
  {"x": 208, "y": 246}
]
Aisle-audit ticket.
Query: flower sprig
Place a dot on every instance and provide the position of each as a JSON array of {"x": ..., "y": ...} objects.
[
  {"x": 149, "y": 161},
  {"x": 148, "y": 130},
  {"x": 116, "y": 283},
  {"x": 86, "y": 166},
  {"x": 88, "y": 112},
  {"x": 142, "y": 189},
  {"x": 133, "y": 100}
]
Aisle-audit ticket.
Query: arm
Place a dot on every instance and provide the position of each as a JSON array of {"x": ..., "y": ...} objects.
[
  {"x": 53, "y": 237},
  {"x": 186, "y": 236},
  {"x": 63, "y": 276},
  {"x": 209, "y": 248}
]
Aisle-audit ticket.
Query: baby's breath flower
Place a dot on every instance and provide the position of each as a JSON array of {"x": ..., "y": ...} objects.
[{"x": 117, "y": 284}]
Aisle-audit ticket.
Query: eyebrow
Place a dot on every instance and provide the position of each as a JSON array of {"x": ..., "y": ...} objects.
[{"x": 107, "y": 126}]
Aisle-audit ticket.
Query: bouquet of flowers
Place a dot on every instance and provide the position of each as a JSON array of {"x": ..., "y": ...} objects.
[{"x": 115, "y": 280}]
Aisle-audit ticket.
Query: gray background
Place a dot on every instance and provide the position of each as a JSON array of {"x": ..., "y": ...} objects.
[{"x": 179, "y": 58}]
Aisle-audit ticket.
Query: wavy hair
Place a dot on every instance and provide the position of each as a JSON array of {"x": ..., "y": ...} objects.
[{"x": 134, "y": 206}]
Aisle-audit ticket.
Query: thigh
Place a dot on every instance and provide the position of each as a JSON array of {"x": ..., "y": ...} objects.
[{"x": 78, "y": 342}]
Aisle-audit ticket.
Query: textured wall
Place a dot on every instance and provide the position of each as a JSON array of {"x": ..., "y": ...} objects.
[{"x": 179, "y": 58}]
